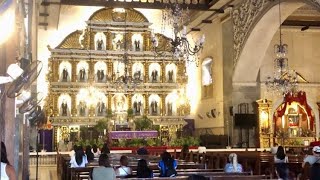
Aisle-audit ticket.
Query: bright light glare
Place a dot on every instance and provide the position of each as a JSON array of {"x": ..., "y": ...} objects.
[{"x": 7, "y": 20}]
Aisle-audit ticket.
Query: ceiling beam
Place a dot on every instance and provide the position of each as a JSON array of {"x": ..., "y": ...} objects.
[{"x": 301, "y": 23}]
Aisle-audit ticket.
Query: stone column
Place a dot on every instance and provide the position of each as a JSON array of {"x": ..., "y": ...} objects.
[
  {"x": 110, "y": 69},
  {"x": 146, "y": 41},
  {"x": 146, "y": 98},
  {"x": 109, "y": 40},
  {"x": 109, "y": 100},
  {"x": 129, "y": 100},
  {"x": 107, "y": 103},
  {"x": 74, "y": 70},
  {"x": 74, "y": 105},
  {"x": 129, "y": 40}
]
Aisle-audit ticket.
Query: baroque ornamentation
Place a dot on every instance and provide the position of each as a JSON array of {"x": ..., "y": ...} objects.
[{"x": 244, "y": 18}]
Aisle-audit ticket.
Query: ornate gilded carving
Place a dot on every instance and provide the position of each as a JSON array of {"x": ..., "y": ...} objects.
[
  {"x": 146, "y": 72},
  {"x": 72, "y": 41},
  {"x": 73, "y": 105},
  {"x": 163, "y": 73},
  {"x": 109, "y": 40},
  {"x": 146, "y": 98},
  {"x": 55, "y": 104},
  {"x": 55, "y": 70},
  {"x": 129, "y": 101},
  {"x": 106, "y": 14},
  {"x": 181, "y": 75},
  {"x": 146, "y": 41},
  {"x": 74, "y": 70},
  {"x": 163, "y": 104},
  {"x": 91, "y": 71}
]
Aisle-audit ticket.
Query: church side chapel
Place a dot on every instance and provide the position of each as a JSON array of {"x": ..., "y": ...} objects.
[
  {"x": 225, "y": 89},
  {"x": 108, "y": 70}
]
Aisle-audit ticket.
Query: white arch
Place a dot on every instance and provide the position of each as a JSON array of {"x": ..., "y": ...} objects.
[{"x": 258, "y": 42}]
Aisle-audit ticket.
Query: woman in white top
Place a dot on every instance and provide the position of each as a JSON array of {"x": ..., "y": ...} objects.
[
  {"x": 95, "y": 150},
  {"x": 7, "y": 171},
  {"x": 79, "y": 159},
  {"x": 124, "y": 170},
  {"x": 281, "y": 160}
]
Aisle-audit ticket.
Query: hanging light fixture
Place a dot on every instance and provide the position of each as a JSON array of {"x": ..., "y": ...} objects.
[
  {"x": 176, "y": 17},
  {"x": 125, "y": 81},
  {"x": 284, "y": 80}
]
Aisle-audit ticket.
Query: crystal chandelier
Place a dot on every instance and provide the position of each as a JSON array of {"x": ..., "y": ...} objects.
[
  {"x": 176, "y": 17},
  {"x": 284, "y": 80}
]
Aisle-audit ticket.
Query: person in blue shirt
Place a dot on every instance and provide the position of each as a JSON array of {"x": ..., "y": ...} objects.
[
  {"x": 167, "y": 165},
  {"x": 233, "y": 166}
]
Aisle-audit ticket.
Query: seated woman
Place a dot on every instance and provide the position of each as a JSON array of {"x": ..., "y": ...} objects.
[
  {"x": 313, "y": 160},
  {"x": 143, "y": 171},
  {"x": 79, "y": 159},
  {"x": 124, "y": 170},
  {"x": 104, "y": 171},
  {"x": 95, "y": 150},
  {"x": 281, "y": 160},
  {"x": 167, "y": 165},
  {"x": 233, "y": 166}
]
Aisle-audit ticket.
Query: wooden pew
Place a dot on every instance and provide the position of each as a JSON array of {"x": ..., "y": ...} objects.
[{"x": 236, "y": 177}]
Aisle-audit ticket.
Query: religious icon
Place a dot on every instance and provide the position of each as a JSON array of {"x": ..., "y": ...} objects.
[
  {"x": 64, "y": 108},
  {"x": 137, "y": 75},
  {"x": 170, "y": 76},
  {"x": 100, "y": 44},
  {"x": 100, "y": 75},
  {"x": 82, "y": 107},
  {"x": 154, "y": 75},
  {"x": 169, "y": 108},
  {"x": 100, "y": 107},
  {"x": 137, "y": 45},
  {"x": 82, "y": 73},
  {"x": 64, "y": 74},
  {"x": 154, "y": 107},
  {"x": 137, "y": 107},
  {"x": 118, "y": 45}
]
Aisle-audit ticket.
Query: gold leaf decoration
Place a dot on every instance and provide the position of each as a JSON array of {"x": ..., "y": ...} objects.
[
  {"x": 164, "y": 43},
  {"x": 71, "y": 41},
  {"x": 106, "y": 14}
]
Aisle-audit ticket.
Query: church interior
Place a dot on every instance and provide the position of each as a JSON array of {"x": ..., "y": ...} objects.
[{"x": 223, "y": 75}]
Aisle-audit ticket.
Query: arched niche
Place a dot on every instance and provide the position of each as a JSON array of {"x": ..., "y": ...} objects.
[
  {"x": 82, "y": 71},
  {"x": 102, "y": 105},
  {"x": 137, "y": 42},
  {"x": 64, "y": 104},
  {"x": 100, "y": 41},
  {"x": 65, "y": 71},
  {"x": 138, "y": 70},
  {"x": 171, "y": 72},
  {"x": 171, "y": 104},
  {"x": 118, "y": 41},
  {"x": 100, "y": 71},
  {"x": 154, "y": 72},
  {"x": 138, "y": 104},
  {"x": 206, "y": 71},
  {"x": 119, "y": 103},
  {"x": 118, "y": 68},
  {"x": 82, "y": 102},
  {"x": 154, "y": 104},
  {"x": 259, "y": 40}
]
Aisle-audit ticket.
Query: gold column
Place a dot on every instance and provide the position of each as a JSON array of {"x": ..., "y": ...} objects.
[
  {"x": 109, "y": 100},
  {"x": 109, "y": 40},
  {"x": 163, "y": 73},
  {"x": 129, "y": 39},
  {"x": 146, "y": 98},
  {"x": 55, "y": 70},
  {"x": 74, "y": 70},
  {"x": 73, "y": 105},
  {"x": 163, "y": 104},
  {"x": 110, "y": 68},
  {"x": 55, "y": 104},
  {"x": 91, "y": 39},
  {"x": 91, "y": 71},
  {"x": 129, "y": 100},
  {"x": 108, "y": 106},
  {"x": 146, "y": 72},
  {"x": 146, "y": 41}
]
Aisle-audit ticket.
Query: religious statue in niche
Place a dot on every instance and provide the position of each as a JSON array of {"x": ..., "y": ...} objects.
[
  {"x": 154, "y": 107},
  {"x": 65, "y": 74},
  {"x": 137, "y": 45},
  {"x": 119, "y": 104},
  {"x": 82, "y": 74},
  {"x": 100, "y": 75},
  {"x": 82, "y": 108},
  {"x": 100, "y": 44},
  {"x": 137, "y": 107},
  {"x": 170, "y": 75},
  {"x": 64, "y": 108},
  {"x": 137, "y": 75},
  {"x": 154, "y": 75},
  {"x": 169, "y": 105},
  {"x": 100, "y": 107}
]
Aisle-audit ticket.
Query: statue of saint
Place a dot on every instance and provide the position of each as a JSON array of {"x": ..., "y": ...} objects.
[
  {"x": 100, "y": 74},
  {"x": 154, "y": 107},
  {"x": 100, "y": 45},
  {"x": 137, "y": 75},
  {"x": 154, "y": 75},
  {"x": 64, "y": 108},
  {"x": 82, "y": 107},
  {"x": 82, "y": 74},
  {"x": 100, "y": 107},
  {"x": 170, "y": 76},
  {"x": 65, "y": 74},
  {"x": 118, "y": 45},
  {"x": 139, "y": 107},
  {"x": 137, "y": 45},
  {"x": 169, "y": 108}
]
